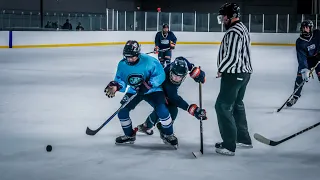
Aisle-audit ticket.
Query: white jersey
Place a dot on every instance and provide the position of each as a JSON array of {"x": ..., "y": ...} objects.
[{"x": 234, "y": 53}]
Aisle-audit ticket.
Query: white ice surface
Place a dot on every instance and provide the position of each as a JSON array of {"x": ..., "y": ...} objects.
[{"x": 50, "y": 96}]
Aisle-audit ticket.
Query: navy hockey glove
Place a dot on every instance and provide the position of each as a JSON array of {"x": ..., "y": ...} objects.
[
  {"x": 195, "y": 111},
  {"x": 112, "y": 88},
  {"x": 198, "y": 75},
  {"x": 143, "y": 88}
]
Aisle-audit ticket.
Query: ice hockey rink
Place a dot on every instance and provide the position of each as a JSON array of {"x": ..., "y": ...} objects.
[{"x": 50, "y": 96}]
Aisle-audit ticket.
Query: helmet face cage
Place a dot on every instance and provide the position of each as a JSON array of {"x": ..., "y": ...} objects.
[
  {"x": 178, "y": 71},
  {"x": 306, "y": 23}
]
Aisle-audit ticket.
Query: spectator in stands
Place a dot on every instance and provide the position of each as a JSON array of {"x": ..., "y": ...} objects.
[
  {"x": 79, "y": 27},
  {"x": 55, "y": 25},
  {"x": 67, "y": 25},
  {"x": 48, "y": 25}
]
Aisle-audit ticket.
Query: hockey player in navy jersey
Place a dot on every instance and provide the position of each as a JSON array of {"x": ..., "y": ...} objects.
[
  {"x": 176, "y": 72},
  {"x": 165, "y": 39},
  {"x": 144, "y": 76},
  {"x": 307, "y": 48}
]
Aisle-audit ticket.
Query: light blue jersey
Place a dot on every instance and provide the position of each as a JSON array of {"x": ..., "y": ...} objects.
[{"x": 148, "y": 68}]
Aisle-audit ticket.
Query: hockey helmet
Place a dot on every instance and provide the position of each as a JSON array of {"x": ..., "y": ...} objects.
[
  {"x": 306, "y": 23},
  {"x": 231, "y": 10},
  {"x": 131, "y": 49},
  {"x": 178, "y": 70}
]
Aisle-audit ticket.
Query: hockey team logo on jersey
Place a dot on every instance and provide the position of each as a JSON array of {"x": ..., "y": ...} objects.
[
  {"x": 135, "y": 79},
  {"x": 165, "y": 41},
  {"x": 311, "y": 47}
]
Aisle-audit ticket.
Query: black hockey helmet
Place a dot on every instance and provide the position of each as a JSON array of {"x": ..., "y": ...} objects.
[
  {"x": 306, "y": 23},
  {"x": 231, "y": 10},
  {"x": 165, "y": 26},
  {"x": 178, "y": 70},
  {"x": 131, "y": 48}
]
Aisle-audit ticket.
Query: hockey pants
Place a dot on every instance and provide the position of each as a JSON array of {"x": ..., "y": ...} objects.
[{"x": 157, "y": 101}]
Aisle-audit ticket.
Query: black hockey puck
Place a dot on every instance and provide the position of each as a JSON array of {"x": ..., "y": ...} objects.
[{"x": 49, "y": 148}]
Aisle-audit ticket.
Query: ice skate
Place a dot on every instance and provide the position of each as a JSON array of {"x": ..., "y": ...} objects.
[
  {"x": 292, "y": 101},
  {"x": 127, "y": 139},
  {"x": 244, "y": 146},
  {"x": 143, "y": 129},
  {"x": 223, "y": 151},
  {"x": 170, "y": 140}
]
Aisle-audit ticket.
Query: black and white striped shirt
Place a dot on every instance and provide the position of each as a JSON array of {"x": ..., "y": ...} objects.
[{"x": 234, "y": 53}]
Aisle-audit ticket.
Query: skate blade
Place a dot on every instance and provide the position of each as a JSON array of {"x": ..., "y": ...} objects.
[
  {"x": 174, "y": 146},
  {"x": 125, "y": 143},
  {"x": 225, "y": 153}
]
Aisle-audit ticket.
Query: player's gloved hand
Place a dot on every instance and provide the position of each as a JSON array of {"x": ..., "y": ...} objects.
[
  {"x": 198, "y": 75},
  {"x": 172, "y": 45},
  {"x": 305, "y": 73},
  {"x": 112, "y": 88},
  {"x": 156, "y": 49},
  {"x": 195, "y": 111},
  {"x": 143, "y": 88}
]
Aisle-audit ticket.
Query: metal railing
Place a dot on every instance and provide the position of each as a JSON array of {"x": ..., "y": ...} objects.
[{"x": 114, "y": 20}]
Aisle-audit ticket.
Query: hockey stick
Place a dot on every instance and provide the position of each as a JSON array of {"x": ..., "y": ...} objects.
[
  {"x": 93, "y": 132},
  {"x": 196, "y": 154},
  {"x": 269, "y": 142},
  {"x": 294, "y": 92},
  {"x": 162, "y": 50}
]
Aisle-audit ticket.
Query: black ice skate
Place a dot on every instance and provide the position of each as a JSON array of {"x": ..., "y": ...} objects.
[
  {"x": 143, "y": 129},
  {"x": 244, "y": 146},
  {"x": 127, "y": 139},
  {"x": 223, "y": 151},
  {"x": 170, "y": 140},
  {"x": 292, "y": 101}
]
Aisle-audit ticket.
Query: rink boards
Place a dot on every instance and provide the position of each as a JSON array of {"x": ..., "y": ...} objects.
[{"x": 41, "y": 39}]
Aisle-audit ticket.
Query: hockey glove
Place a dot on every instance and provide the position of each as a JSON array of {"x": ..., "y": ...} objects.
[
  {"x": 143, "y": 88},
  {"x": 172, "y": 45},
  {"x": 156, "y": 49},
  {"x": 112, "y": 88},
  {"x": 195, "y": 111},
  {"x": 305, "y": 73},
  {"x": 198, "y": 75}
]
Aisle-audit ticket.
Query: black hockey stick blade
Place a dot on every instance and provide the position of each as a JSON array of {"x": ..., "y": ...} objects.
[
  {"x": 264, "y": 140},
  {"x": 94, "y": 132},
  {"x": 270, "y": 142}
]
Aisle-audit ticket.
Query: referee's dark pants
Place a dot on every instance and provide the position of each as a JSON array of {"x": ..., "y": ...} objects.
[{"x": 231, "y": 111}]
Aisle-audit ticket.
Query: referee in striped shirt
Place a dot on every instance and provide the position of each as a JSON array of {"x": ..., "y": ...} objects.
[{"x": 234, "y": 69}]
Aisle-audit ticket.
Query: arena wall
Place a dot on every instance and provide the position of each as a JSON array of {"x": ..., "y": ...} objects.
[{"x": 37, "y": 39}]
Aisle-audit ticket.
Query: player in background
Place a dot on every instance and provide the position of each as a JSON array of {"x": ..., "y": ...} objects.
[
  {"x": 307, "y": 48},
  {"x": 144, "y": 76},
  {"x": 165, "y": 39},
  {"x": 176, "y": 72},
  {"x": 234, "y": 69}
]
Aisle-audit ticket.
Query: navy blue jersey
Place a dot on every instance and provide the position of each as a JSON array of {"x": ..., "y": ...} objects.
[
  {"x": 163, "y": 41},
  {"x": 307, "y": 48},
  {"x": 171, "y": 90}
]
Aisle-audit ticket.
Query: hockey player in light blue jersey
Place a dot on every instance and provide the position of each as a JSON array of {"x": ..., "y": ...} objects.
[{"x": 144, "y": 76}]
